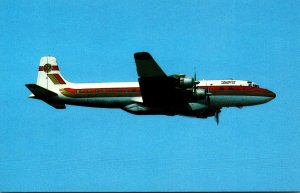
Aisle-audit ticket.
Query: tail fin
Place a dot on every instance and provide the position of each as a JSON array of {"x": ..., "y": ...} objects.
[{"x": 49, "y": 76}]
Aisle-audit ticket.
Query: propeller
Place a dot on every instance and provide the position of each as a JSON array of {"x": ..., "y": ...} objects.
[
  {"x": 195, "y": 73},
  {"x": 217, "y": 116},
  {"x": 208, "y": 95},
  {"x": 195, "y": 79}
]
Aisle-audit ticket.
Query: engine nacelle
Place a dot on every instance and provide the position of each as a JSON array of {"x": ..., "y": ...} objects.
[
  {"x": 186, "y": 82},
  {"x": 200, "y": 93},
  {"x": 197, "y": 107},
  {"x": 183, "y": 81}
]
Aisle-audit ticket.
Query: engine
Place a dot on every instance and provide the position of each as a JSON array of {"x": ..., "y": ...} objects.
[
  {"x": 182, "y": 81},
  {"x": 186, "y": 82},
  {"x": 189, "y": 83},
  {"x": 199, "y": 93}
]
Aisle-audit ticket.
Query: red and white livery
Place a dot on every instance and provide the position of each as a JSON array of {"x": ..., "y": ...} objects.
[{"x": 155, "y": 93}]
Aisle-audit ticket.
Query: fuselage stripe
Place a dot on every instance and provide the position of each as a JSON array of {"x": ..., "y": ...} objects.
[{"x": 135, "y": 91}]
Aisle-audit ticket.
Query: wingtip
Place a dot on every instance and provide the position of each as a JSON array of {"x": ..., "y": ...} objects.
[
  {"x": 142, "y": 56},
  {"x": 31, "y": 96}
]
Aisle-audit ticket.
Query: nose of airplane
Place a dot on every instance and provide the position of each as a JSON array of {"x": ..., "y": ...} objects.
[
  {"x": 269, "y": 95},
  {"x": 272, "y": 94}
]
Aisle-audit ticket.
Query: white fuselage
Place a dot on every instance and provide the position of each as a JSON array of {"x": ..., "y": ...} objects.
[{"x": 225, "y": 93}]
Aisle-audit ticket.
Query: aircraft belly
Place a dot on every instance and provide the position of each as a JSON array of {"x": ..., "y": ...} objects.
[
  {"x": 105, "y": 102},
  {"x": 229, "y": 101}
]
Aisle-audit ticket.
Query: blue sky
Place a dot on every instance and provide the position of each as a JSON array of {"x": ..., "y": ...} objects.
[{"x": 90, "y": 149}]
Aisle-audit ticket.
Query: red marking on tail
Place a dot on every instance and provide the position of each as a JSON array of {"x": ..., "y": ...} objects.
[
  {"x": 41, "y": 68},
  {"x": 59, "y": 79}
]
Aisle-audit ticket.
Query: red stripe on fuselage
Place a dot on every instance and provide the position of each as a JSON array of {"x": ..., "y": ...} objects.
[
  {"x": 95, "y": 90},
  {"x": 221, "y": 87},
  {"x": 238, "y": 90},
  {"x": 215, "y": 90}
]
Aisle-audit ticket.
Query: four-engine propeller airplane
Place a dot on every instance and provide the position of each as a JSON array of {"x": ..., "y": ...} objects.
[{"x": 155, "y": 93}]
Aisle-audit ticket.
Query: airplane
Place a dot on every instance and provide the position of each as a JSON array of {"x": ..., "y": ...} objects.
[{"x": 155, "y": 93}]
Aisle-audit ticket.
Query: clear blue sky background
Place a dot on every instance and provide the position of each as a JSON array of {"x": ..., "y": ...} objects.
[{"x": 90, "y": 149}]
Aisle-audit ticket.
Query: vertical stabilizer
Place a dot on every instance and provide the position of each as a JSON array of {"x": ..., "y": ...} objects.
[{"x": 49, "y": 76}]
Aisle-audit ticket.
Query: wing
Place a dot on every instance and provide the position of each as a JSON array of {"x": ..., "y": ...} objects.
[
  {"x": 146, "y": 66},
  {"x": 156, "y": 87}
]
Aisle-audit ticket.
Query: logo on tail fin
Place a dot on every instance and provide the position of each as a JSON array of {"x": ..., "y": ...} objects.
[{"x": 47, "y": 68}]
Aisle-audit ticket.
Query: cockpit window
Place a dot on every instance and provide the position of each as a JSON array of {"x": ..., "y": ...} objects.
[{"x": 253, "y": 85}]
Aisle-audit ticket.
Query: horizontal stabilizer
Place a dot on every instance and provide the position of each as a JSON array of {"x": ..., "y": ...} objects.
[
  {"x": 40, "y": 92},
  {"x": 45, "y": 95}
]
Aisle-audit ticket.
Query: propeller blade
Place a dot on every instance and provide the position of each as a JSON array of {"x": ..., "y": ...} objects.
[
  {"x": 217, "y": 116},
  {"x": 208, "y": 96},
  {"x": 208, "y": 100},
  {"x": 195, "y": 73},
  {"x": 195, "y": 79}
]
